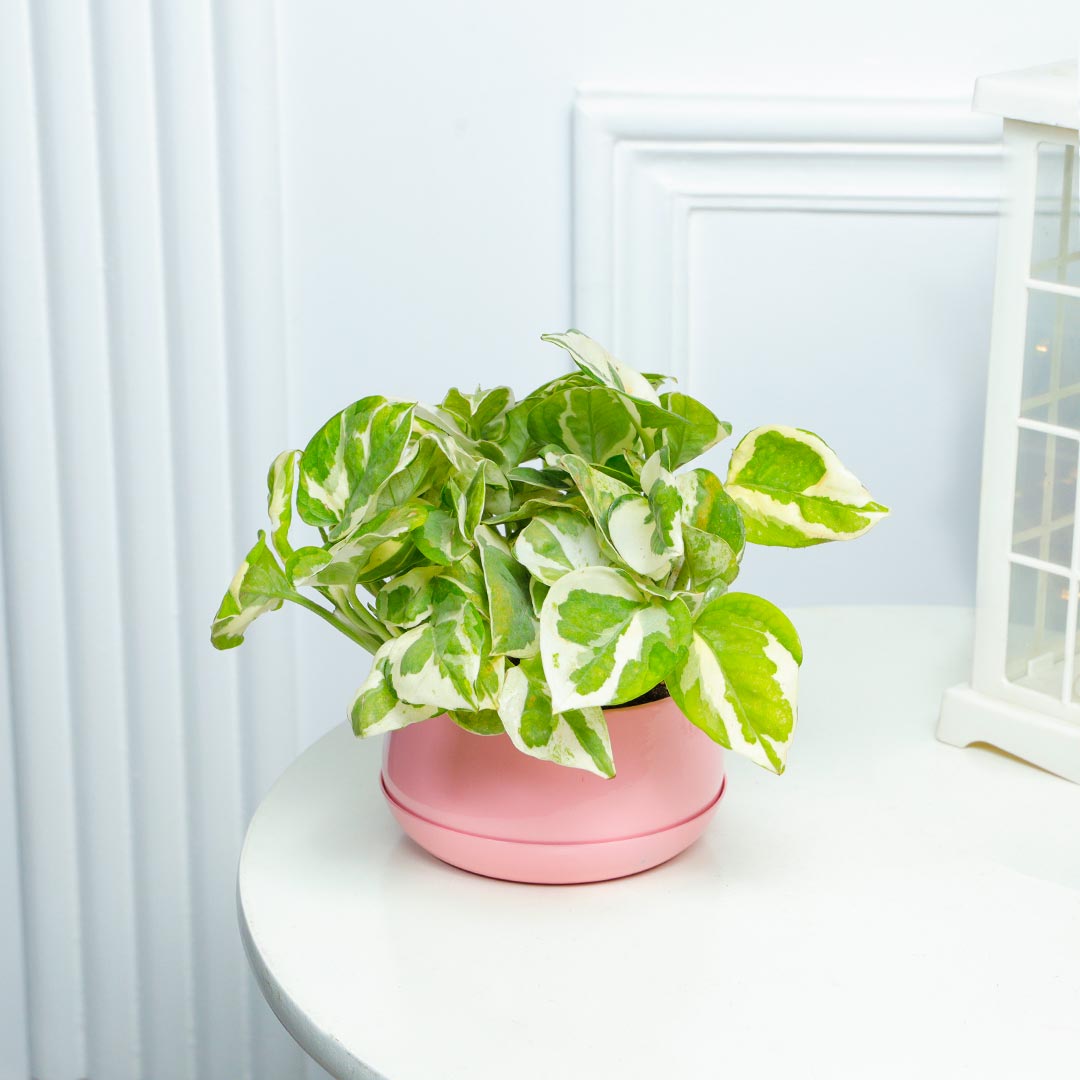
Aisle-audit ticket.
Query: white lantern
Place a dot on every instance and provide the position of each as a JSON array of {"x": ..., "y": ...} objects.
[{"x": 1024, "y": 695}]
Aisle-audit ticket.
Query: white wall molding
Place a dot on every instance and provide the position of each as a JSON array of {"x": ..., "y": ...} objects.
[
  {"x": 702, "y": 224},
  {"x": 646, "y": 163}
]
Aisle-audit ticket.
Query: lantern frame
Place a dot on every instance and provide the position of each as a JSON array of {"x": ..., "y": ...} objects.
[{"x": 1039, "y": 106}]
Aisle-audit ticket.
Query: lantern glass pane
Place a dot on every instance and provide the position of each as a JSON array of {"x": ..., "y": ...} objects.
[
  {"x": 1055, "y": 248},
  {"x": 1035, "y": 651},
  {"x": 1051, "y": 386},
  {"x": 1044, "y": 501}
]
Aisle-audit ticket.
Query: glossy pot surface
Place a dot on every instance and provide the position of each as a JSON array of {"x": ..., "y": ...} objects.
[{"x": 477, "y": 802}]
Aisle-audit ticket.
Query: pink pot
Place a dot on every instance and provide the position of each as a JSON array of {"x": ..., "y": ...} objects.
[{"x": 478, "y": 803}]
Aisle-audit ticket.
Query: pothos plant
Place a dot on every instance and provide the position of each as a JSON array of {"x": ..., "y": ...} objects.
[{"x": 526, "y": 563}]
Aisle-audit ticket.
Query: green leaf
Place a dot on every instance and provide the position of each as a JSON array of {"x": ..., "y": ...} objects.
[
  {"x": 793, "y": 491},
  {"x": 484, "y": 722},
  {"x": 370, "y": 553},
  {"x": 349, "y": 459},
  {"x": 556, "y": 541},
  {"x": 280, "y": 483},
  {"x": 258, "y": 586},
  {"x": 739, "y": 680},
  {"x": 376, "y": 708},
  {"x": 592, "y": 422},
  {"x": 701, "y": 432},
  {"x": 604, "y": 640},
  {"x": 514, "y": 628},
  {"x": 577, "y": 738}
]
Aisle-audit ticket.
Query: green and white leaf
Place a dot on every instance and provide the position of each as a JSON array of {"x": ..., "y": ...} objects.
[
  {"x": 646, "y": 529},
  {"x": 438, "y": 663},
  {"x": 598, "y": 489},
  {"x": 349, "y": 460},
  {"x": 739, "y": 680},
  {"x": 596, "y": 361},
  {"x": 514, "y": 628},
  {"x": 376, "y": 708},
  {"x": 439, "y": 537},
  {"x": 708, "y": 507},
  {"x": 701, "y": 432},
  {"x": 422, "y": 474},
  {"x": 591, "y": 421},
  {"x": 556, "y": 541},
  {"x": 484, "y": 722},
  {"x": 407, "y": 599},
  {"x": 478, "y": 412},
  {"x": 372, "y": 552},
  {"x": 259, "y": 586},
  {"x": 538, "y": 594},
  {"x": 577, "y": 738},
  {"x": 280, "y": 484},
  {"x": 605, "y": 641},
  {"x": 793, "y": 491}
]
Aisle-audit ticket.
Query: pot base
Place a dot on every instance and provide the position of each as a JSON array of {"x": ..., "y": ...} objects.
[{"x": 543, "y": 863}]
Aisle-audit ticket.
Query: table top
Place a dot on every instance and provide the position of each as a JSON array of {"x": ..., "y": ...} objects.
[{"x": 890, "y": 904}]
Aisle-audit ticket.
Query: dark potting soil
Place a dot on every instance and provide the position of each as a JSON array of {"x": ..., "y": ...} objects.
[{"x": 657, "y": 693}]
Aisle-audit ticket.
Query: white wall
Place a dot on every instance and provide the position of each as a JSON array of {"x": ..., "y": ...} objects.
[{"x": 167, "y": 324}]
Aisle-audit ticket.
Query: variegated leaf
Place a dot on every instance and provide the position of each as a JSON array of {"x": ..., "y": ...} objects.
[
  {"x": 373, "y": 551},
  {"x": 596, "y": 361},
  {"x": 514, "y": 628},
  {"x": 479, "y": 414},
  {"x": 793, "y": 491},
  {"x": 377, "y": 708},
  {"x": 406, "y": 600},
  {"x": 708, "y": 507},
  {"x": 280, "y": 485},
  {"x": 528, "y": 508},
  {"x": 484, "y": 722},
  {"x": 423, "y": 472},
  {"x": 538, "y": 594},
  {"x": 439, "y": 537},
  {"x": 605, "y": 641},
  {"x": 557, "y": 541},
  {"x": 439, "y": 662},
  {"x": 739, "y": 680},
  {"x": 701, "y": 432},
  {"x": 592, "y": 422},
  {"x": 646, "y": 529},
  {"x": 259, "y": 586},
  {"x": 598, "y": 489},
  {"x": 577, "y": 738},
  {"x": 349, "y": 459}
]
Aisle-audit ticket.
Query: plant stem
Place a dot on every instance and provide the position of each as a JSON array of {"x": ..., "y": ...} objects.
[{"x": 362, "y": 637}]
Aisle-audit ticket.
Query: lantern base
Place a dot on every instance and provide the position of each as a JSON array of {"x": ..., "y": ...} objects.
[{"x": 1047, "y": 741}]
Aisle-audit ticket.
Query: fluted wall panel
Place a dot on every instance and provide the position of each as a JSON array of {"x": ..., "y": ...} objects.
[{"x": 143, "y": 393}]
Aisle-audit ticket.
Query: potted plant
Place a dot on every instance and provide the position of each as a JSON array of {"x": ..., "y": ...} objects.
[{"x": 546, "y": 585}]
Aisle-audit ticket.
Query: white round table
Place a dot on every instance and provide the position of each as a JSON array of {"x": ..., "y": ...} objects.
[{"x": 890, "y": 906}]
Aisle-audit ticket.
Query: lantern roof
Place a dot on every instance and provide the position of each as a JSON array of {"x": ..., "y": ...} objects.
[{"x": 1048, "y": 94}]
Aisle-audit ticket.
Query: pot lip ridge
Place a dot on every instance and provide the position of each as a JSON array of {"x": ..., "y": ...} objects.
[{"x": 705, "y": 811}]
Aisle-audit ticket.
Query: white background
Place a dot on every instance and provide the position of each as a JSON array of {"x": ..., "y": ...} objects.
[{"x": 221, "y": 222}]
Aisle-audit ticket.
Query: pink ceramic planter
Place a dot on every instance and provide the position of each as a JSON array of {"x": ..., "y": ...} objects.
[{"x": 476, "y": 802}]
